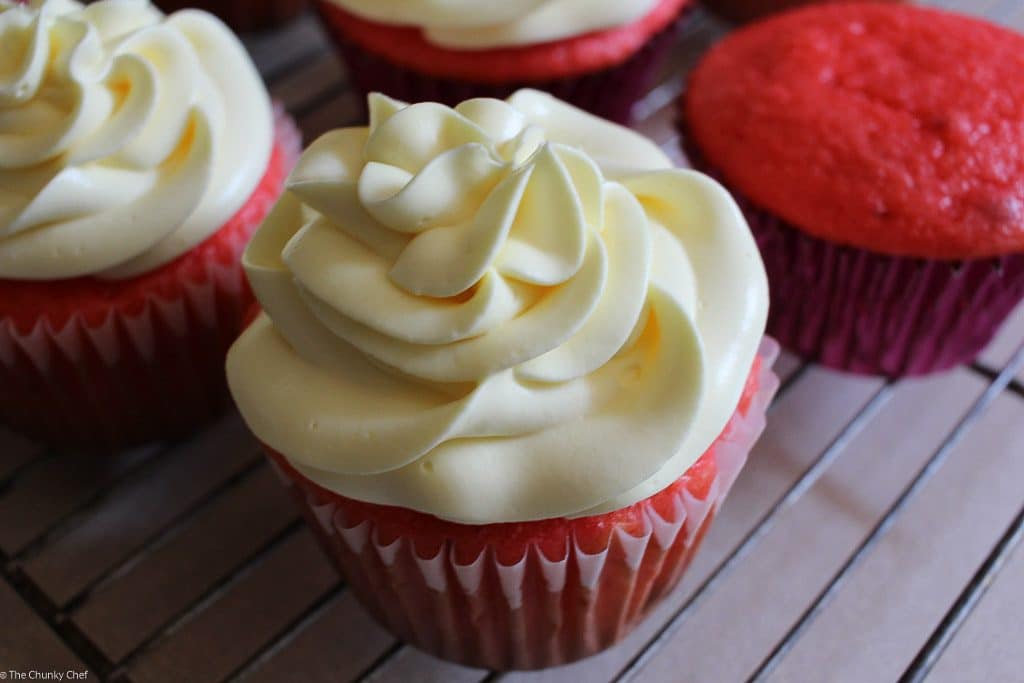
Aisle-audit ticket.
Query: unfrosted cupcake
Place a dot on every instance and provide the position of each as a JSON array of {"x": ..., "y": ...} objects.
[
  {"x": 879, "y": 153},
  {"x": 508, "y": 366},
  {"x": 601, "y": 55},
  {"x": 243, "y": 15},
  {"x": 138, "y": 153}
]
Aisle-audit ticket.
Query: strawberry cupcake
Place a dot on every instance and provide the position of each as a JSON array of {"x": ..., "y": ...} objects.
[
  {"x": 600, "y": 55},
  {"x": 509, "y": 367},
  {"x": 243, "y": 15},
  {"x": 138, "y": 153},
  {"x": 878, "y": 151}
]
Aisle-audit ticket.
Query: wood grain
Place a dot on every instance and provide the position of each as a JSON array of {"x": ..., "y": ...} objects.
[
  {"x": 15, "y": 453},
  {"x": 889, "y": 606},
  {"x": 811, "y": 540},
  {"x": 340, "y": 644},
  {"x": 988, "y": 647},
  {"x": 238, "y": 622},
  {"x": 27, "y": 642},
  {"x": 128, "y": 610},
  {"x": 188, "y": 562},
  {"x": 122, "y": 523}
]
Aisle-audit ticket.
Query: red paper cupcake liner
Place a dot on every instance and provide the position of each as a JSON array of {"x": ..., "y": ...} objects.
[
  {"x": 99, "y": 366},
  {"x": 243, "y": 16},
  {"x": 608, "y": 92},
  {"x": 864, "y": 312},
  {"x": 533, "y": 594}
]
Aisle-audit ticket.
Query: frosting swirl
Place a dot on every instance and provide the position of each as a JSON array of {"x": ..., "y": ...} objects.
[
  {"x": 475, "y": 25},
  {"x": 126, "y": 137},
  {"x": 499, "y": 312}
]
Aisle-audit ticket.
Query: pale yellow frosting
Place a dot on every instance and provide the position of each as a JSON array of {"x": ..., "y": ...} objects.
[
  {"x": 126, "y": 137},
  {"x": 477, "y": 24},
  {"x": 504, "y": 311}
]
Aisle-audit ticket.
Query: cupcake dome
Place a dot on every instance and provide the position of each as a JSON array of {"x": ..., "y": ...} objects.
[{"x": 894, "y": 129}]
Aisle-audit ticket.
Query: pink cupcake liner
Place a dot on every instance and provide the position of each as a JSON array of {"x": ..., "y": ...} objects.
[
  {"x": 152, "y": 373},
  {"x": 545, "y": 609},
  {"x": 869, "y": 313},
  {"x": 145, "y": 369},
  {"x": 610, "y": 93}
]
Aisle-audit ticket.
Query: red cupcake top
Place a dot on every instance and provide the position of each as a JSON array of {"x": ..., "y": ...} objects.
[{"x": 891, "y": 128}]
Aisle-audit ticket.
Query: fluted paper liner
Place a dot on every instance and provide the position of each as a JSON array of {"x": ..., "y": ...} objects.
[
  {"x": 858, "y": 311},
  {"x": 610, "y": 92},
  {"x": 870, "y": 313},
  {"x": 559, "y": 598},
  {"x": 138, "y": 368}
]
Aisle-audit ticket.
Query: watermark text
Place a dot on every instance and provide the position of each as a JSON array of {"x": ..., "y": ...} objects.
[{"x": 38, "y": 675}]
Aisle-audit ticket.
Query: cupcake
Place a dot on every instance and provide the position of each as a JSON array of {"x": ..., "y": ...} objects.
[
  {"x": 243, "y": 15},
  {"x": 740, "y": 11},
  {"x": 508, "y": 365},
  {"x": 877, "y": 150},
  {"x": 602, "y": 56},
  {"x": 138, "y": 153}
]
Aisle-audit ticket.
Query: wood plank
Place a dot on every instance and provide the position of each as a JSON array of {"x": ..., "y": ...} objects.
[
  {"x": 413, "y": 665},
  {"x": 238, "y": 623},
  {"x": 801, "y": 425},
  {"x": 299, "y": 87},
  {"x": 26, "y": 642},
  {"x": 1006, "y": 12},
  {"x": 988, "y": 646},
  {"x": 889, "y": 605},
  {"x": 338, "y": 112},
  {"x": 811, "y": 540},
  {"x": 123, "y": 523},
  {"x": 786, "y": 366},
  {"x": 275, "y": 52},
  {"x": 976, "y": 7},
  {"x": 1010, "y": 336},
  {"x": 120, "y": 616},
  {"x": 15, "y": 452},
  {"x": 338, "y": 646},
  {"x": 1015, "y": 16},
  {"x": 57, "y": 487},
  {"x": 662, "y": 127}
]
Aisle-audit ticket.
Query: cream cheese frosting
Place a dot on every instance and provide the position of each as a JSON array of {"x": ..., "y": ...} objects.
[
  {"x": 126, "y": 137},
  {"x": 506, "y": 311},
  {"x": 475, "y": 25}
]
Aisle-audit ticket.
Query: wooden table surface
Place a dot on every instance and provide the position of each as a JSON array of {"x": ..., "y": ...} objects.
[{"x": 874, "y": 535}]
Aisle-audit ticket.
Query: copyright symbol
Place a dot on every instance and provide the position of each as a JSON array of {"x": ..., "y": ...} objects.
[{"x": 3, "y": 675}]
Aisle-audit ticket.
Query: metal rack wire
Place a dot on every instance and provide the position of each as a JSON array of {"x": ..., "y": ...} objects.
[{"x": 72, "y": 597}]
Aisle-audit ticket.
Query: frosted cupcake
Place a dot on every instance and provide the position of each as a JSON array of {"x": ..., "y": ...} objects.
[
  {"x": 602, "y": 55},
  {"x": 509, "y": 367},
  {"x": 138, "y": 153}
]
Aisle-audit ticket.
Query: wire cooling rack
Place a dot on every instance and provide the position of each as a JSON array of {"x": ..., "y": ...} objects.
[{"x": 873, "y": 536}]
